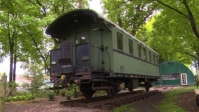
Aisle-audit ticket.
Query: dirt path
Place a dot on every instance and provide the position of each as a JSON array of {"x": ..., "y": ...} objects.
[
  {"x": 186, "y": 101},
  {"x": 149, "y": 104},
  {"x": 44, "y": 105}
]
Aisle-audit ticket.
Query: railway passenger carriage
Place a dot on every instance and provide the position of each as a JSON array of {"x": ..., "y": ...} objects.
[{"x": 98, "y": 55}]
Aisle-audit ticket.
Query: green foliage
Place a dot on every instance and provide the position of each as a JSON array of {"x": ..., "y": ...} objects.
[
  {"x": 69, "y": 94},
  {"x": 100, "y": 93},
  {"x": 124, "y": 108},
  {"x": 42, "y": 93},
  {"x": 131, "y": 14},
  {"x": 170, "y": 43},
  {"x": 51, "y": 95},
  {"x": 72, "y": 90},
  {"x": 20, "y": 93},
  {"x": 36, "y": 77},
  {"x": 172, "y": 35},
  {"x": 23, "y": 24},
  {"x": 14, "y": 86},
  {"x": 36, "y": 83},
  {"x": 63, "y": 92},
  {"x": 20, "y": 97}
]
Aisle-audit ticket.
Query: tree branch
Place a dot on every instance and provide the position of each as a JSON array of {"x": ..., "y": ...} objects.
[
  {"x": 191, "y": 19},
  {"x": 38, "y": 49},
  {"x": 176, "y": 10},
  {"x": 144, "y": 19},
  {"x": 43, "y": 8},
  {"x": 178, "y": 50}
]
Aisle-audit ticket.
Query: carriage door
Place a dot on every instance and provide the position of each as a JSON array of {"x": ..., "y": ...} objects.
[
  {"x": 54, "y": 65},
  {"x": 82, "y": 52},
  {"x": 183, "y": 79},
  {"x": 66, "y": 57}
]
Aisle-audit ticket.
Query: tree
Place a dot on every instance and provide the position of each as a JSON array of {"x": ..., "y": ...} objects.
[
  {"x": 22, "y": 28},
  {"x": 35, "y": 75},
  {"x": 129, "y": 14},
  {"x": 10, "y": 33},
  {"x": 173, "y": 31},
  {"x": 186, "y": 9}
]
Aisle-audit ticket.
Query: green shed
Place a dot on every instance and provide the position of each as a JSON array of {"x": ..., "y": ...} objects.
[{"x": 175, "y": 73}]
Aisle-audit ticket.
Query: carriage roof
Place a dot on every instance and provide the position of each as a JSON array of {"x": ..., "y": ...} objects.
[{"x": 84, "y": 15}]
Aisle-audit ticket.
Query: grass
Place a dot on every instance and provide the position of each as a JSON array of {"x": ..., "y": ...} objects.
[
  {"x": 124, "y": 108},
  {"x": 168, "y": 104}
]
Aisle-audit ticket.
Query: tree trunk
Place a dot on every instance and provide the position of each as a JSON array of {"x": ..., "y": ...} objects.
[
  {"x": 10, "y": 48},
  {"x": 11, "y": 63},
  {"x": 80, "y": 4},
  {"x": 14, "y": 67},
  {"x": 120, "y": 22}
]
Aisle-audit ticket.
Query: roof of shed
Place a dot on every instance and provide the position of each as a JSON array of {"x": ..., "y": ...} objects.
[{"x": 172, "y": 67}]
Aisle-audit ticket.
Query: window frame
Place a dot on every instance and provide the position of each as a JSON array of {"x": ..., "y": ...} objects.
[
  {"x": 149, "y": 56},
  {"x": 139, "y": 48},
  {"x": 154, "y": 58},
  {"x": 130, "y": 46},
  {"x": 120, "y": 41},
  {"x": 145, "y": 54}
]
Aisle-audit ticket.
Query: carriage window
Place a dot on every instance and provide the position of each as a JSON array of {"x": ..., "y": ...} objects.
[
  {"x": 130, "y": 46},
  {"x": 157, "y": 60},
  {"x": 149, "y": 56},
  {"x": 139, "y": 50},
  {"x": 119, "y": 41},
  {"x": 145, "y": 56},
  {"x": 154, "y": 58},
  {"x": 82, "y": 39}
]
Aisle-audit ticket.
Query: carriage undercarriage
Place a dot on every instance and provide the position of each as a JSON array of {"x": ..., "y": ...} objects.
[{"x": 88, "y": 87}]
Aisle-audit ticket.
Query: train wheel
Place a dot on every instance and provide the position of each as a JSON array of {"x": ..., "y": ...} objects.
[
  {"x": 88, "y": 93},
  {"x": 87, "y": 90},
  {"x": 147, "y": 86},
  {"x": 112, "y": 93}
]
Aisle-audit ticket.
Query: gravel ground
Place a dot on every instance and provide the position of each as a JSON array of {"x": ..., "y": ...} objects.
[{"x": 44, "y": 105}]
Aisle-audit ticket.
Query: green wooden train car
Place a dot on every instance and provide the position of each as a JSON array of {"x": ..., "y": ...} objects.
[{"x": 98, "y": 55}]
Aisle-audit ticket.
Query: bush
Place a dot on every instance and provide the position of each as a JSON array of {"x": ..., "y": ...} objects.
[
  {"x": 63, "y": 92},
  {"x": 68, "y": 95},
  {"x": 20, "y": 93},
  {"x": 51, "y": 95},
  {"x": 42, "y": 93},
  {"x": 13, "y": 85},
  {"x": 20, "y": 97}
]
